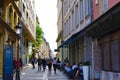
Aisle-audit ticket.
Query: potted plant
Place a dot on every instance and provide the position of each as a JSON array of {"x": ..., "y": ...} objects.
[{"x": 85, "y": 70}]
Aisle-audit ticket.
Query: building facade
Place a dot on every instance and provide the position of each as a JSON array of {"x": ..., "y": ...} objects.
[
  {"x": 11, "y": 13},
  {"x": 59, "y": 27},
  {"x": 91, "y": 33},
  {"x": 76, "y": 16},
  {"x": 29, "y": 27},
  {"x": 44, "y": 51},
  {"x": 104, "y": 31}
]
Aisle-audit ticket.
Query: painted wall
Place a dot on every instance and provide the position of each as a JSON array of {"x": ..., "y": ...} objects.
[
  {"x": 95, "y": 9},
  {"x": 111, "y": 3}
]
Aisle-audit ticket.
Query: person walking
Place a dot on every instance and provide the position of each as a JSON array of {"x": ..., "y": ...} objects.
[
  {"x": 21, "y": 64},
  {"x": 58, "y": 64},
  {"x": 49, "y": 65},
  {"x": 54, "y": 64},
  {"x": 39, "y": 63},
  {"x": 33, "y": 61},
  {"x": 44, "y": 64}
]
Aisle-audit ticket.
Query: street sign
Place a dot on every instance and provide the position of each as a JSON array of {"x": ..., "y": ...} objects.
[{"x": 8, "y": 63}]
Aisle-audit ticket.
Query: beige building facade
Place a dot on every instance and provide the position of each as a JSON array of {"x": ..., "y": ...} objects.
[
  {"x": 11, "y": 13},
  {"x": 59, "y": 27},
  {"x": 44, "y": 51},
  {"x": 9, "y": 17}
]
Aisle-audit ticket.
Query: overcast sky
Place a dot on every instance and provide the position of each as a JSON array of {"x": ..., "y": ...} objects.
[{"x": 47, "y": 13}]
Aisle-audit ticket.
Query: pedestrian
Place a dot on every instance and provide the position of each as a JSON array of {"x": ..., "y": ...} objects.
[
  {"x": 14, "y": 65},
  {"x": 33, "y": 61},
  {"x": 54, "y": 64},
  {"x": 20, "y": 64},
  {"x": 49, "y": 65},
  {"x": 58, "y": 64},
  {"x": 39, "y": 63},
  {"x": 44, "y": 64}
]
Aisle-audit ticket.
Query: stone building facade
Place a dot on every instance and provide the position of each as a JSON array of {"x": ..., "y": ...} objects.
[{"x": 11, "y": 13}]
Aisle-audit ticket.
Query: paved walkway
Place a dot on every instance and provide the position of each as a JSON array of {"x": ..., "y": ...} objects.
[{"x": 33, "y": 74}]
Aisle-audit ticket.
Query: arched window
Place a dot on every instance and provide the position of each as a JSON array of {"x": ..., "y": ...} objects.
[
  {"x": 9, "y": 16},
  {"x": 15, "y": 19}
]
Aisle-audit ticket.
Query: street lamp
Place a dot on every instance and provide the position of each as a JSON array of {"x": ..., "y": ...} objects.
[
  {"x": 18, "y": 28},
  {"x": 19, "y": 32}
]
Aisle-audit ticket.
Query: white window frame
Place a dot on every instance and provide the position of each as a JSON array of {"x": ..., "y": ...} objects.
[
  {"x": 87, "y": 7},
  {"x": 105, "y": 5},
  {"x": 81, "y": 10}
]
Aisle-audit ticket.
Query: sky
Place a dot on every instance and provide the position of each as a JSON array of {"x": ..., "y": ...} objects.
[{"x": 46, "y": 11}]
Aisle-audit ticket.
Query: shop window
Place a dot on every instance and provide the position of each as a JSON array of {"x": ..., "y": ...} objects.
[
  {"x": 115, "y": 55},
  {"x": 106, "y": 56},
  {"x": 111, "y": 54}
]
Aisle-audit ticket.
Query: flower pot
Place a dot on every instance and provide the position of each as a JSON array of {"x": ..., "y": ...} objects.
[{"x": 85, "y": 72}]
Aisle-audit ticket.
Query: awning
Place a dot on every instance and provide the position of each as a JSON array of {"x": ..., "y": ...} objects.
[
  {"x": 106, "y": 23},
  {"x": 73, "y": 38}
]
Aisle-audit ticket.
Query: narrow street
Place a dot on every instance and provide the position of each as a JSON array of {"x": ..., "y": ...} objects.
[{"x": 33, "y": 74}]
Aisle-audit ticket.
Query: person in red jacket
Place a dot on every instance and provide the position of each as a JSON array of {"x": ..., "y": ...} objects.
[{"x": 14, "y": 64}]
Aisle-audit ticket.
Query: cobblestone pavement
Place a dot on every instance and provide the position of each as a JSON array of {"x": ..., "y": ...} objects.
[{"x": 33, "y": 74}]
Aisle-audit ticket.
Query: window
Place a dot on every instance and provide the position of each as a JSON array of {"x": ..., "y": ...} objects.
[
  {"x": 69, "y": 23},
  {"x": 1, "y": 8},
  {"x": 81, "y": 10},
  {"x": 76, "y": 15},
  {"x": 115, "y": 55},
  {"x": 15, "y": 19},
  {"x": 73, "y": 19},
  {"x": 23, "y": 8},
  {"x": 111, "y": 53},
  {"x": 87, "y": 7},
  {"x": 9, "y": 19},
  {"x": 105, "y": 5},
  {"x": 106, "y": 56}
]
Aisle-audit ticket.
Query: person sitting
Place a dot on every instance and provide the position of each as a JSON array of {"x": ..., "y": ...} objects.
[
  {"x": 74, "y": 66},
  {"x": 68, "y": 71},
  {"x": 74, "y": 69},
  {"x": 79, "y": 72}
]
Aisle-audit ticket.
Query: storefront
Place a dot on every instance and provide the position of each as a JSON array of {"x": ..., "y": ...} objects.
[{"x": 105, "y": 33}]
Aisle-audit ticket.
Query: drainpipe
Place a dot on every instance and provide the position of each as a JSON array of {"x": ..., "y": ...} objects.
[
  {"x": 93, "y": 59},
  {"x": 62, "y": 33},
  {"x": 21, "y": 37},
  {"x": 92, "y": 42}
]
